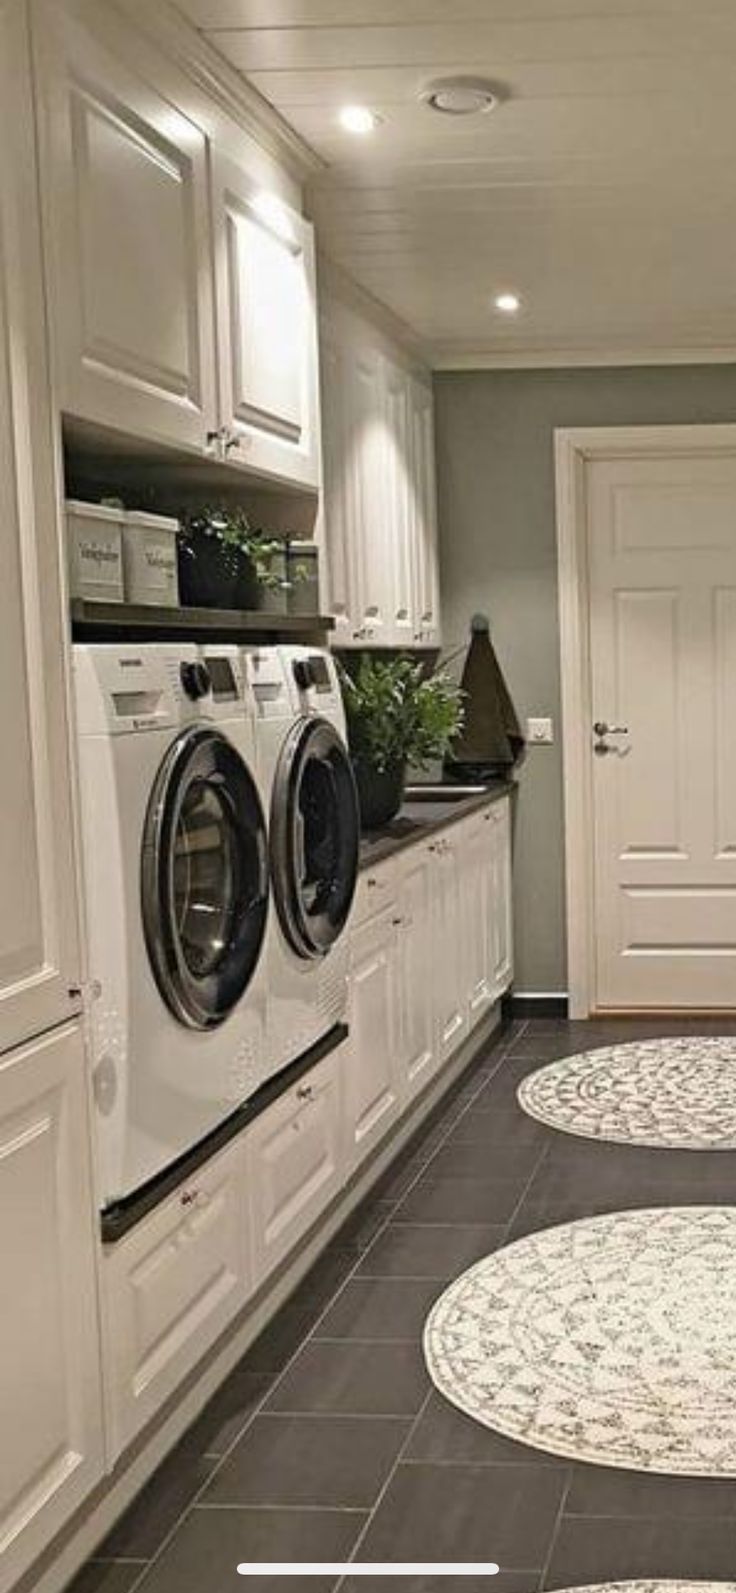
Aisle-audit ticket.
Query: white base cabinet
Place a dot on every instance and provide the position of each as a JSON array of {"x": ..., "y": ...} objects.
[
  {"x": 52, "y": 1452},
  {"x": 431, "y": 954}
]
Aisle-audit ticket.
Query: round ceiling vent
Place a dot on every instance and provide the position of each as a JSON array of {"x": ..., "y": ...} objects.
[{"x": 461, "y": 96}]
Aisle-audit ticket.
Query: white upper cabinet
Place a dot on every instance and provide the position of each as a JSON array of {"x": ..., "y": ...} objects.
[
  {"x": 39, "y": 956},
  {"x": 266, "y": 318},
  {"x": 126, "y": 196},
  {"x": 380, "y": 510}
]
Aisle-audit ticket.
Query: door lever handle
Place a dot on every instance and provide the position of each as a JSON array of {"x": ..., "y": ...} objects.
[{"x": 600, "y": 729}]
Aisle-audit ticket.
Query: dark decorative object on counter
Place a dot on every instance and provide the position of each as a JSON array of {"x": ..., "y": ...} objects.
[
  {"x": 396, "y": 714},
  {"x": 490, "y": 743},
  {"x": 223, "y": 561}
]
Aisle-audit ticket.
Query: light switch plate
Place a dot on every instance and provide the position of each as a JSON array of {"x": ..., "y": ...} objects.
[{"x": 540, "y": 732}]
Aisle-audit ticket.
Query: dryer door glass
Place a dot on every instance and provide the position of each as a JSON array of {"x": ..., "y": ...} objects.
[
  {"x": 315, "y": 834},
  {"x": 204, "y": 878}
]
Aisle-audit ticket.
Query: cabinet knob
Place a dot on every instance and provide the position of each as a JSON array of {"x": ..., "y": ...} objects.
[
  {"x": 305, "y": 1092},
  {"x": 189, "y": 1197},
  {"x": 397, "y": 922}
]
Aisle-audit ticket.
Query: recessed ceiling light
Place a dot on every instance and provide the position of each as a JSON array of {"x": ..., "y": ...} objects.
[
  {"x": 358, "y": 119},
  {"x": 461, "y": 96},
  {"x": 507, "y": 303}
]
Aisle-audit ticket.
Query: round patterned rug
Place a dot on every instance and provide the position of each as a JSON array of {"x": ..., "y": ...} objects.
[
  {"x": 611, "y": 1340},
  {"x": 655, "y": 1587},
  {"x": 679, "y": 1093}
]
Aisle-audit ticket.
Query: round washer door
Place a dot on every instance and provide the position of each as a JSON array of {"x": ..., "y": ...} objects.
[
  {"x": 204, "y": 877},
  {"x": 314, "y": 837}
]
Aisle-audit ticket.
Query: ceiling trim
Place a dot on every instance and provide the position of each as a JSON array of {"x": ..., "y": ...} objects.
[
  {"x": 447, "y": 359},
  {"x": 229, "y": 89}
]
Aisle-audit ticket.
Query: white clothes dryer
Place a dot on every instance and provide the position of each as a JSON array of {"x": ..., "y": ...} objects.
[
  {"x": 175, "y": 864},
  {"x": 314, "y": 834}
]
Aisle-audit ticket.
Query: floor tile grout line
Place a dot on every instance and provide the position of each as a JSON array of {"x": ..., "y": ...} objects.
[
  {"x": 556, "y": 1527},
  {"x": 221, "y": 1460},
  {"x": 380, "y": 1496}
]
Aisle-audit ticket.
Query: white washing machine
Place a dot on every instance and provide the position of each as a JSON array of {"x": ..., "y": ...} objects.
[
  {"x": 175, "y": 861},
  {"x": 314, "y": 833}
]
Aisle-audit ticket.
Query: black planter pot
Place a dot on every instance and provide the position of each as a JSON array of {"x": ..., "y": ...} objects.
[
  {"x": 379, "y": 795},
  {"x": 213, "y": 576}
]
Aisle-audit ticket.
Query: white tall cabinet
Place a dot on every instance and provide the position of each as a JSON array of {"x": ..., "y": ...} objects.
[
  {"x": 52, "y": 1425},
  {"x": 379, "y": 485}
]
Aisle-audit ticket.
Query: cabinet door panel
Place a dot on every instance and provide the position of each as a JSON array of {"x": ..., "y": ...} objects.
[
  {"x": 426, "y": 559},
  {"x": 416, "y": 985},
  {"x": 479, "y": 912},
  {"x": 503, "y": 950},
  {"x": 39, "y": 961},
  {"x": 52, "y": 1421},
  {"x": 447, "y": 949},
  {"x": 127, "y": 202},
  {"x": 366, "y": 464},
  {"x": 373, "y": 1094},
  {"x": 340, "y": 529},
  {"x": 266, "y": 328},
  {"x": 401, "y": 615},
  {"x": 170, "y": 1287},
  {"x": 296, "y": 1163}
]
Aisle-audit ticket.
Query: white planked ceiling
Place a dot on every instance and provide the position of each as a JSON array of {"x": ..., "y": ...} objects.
[{"x": 602, "y": 189}]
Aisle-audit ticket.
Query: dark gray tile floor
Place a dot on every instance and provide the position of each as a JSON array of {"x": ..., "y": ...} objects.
[{"x": 328, "y": 1442}]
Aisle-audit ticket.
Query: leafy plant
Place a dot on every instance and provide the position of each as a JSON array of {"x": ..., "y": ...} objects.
[
  {"x": 397, "y": 714},
  {"x": 230, "y": 527}
]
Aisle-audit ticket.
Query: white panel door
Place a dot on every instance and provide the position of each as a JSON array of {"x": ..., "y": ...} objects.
[
  {"x": 448, "y": 910},
  {"x": 130, "y": 256},
  {"x": 372, "y": 1082},
  {"x": 662, "y": 553},
  {"x": 39, "y": 956},
  {"x": 295, "y": 1162},
  {"x": 170, "y": 1288},
  {"x": 51, "y": 1455},
  {"x": 343, "y": 559},
  {"x": 415, "y": 985},
  {"x": 267, "y": 339},
  {"x": 424, "y": 514},
  {"x": 401, "y": 616},
  {"x": 366, "y": 466}
]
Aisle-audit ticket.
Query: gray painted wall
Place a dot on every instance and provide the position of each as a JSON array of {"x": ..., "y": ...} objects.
[{"x": 498, "y": 552}]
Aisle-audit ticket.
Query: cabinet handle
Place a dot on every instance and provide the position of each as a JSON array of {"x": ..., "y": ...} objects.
[
  {"x": 374, "y": 884},
  {"x": 189, "y": 1197},
  {"x": 305, "y": 1092},
  {"x": 397, "y": 922},
  {"x": 357, "y": 635},
  {"x": 230, "y": 440}
]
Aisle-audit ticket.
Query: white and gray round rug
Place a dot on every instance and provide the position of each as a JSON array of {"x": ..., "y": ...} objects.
[
  {"x": 655, "y": 1587},
  {"x": 610, "y": 1340},
  {"x": 679, "y": 1093}
]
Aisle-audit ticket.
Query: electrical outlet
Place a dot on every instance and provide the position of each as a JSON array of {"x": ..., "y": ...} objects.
[{"x": 540, "y": 732}]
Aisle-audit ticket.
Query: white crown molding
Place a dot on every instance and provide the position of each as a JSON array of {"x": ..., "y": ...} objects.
[
  {"x": 337, "y": 283},
  {"x": 238, "y": 99},
  {"x": 461, "y": 358}
]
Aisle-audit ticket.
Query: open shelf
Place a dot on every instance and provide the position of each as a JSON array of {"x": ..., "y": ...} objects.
[{"x": 136, "y": 622}]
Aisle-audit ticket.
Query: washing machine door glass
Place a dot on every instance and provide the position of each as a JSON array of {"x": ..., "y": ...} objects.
[
  {"x": 314, "y": 836},
  {"x": 204, "y": 877}
]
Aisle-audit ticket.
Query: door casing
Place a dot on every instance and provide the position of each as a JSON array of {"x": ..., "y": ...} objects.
[{"x": 574, "y": 449}]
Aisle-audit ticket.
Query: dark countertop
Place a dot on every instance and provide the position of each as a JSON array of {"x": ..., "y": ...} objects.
[{"x": 419, "y": 818}]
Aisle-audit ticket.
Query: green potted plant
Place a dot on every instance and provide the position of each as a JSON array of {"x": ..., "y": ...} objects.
[
  {"x": 396, "y": 714},
  {"x": 224, "y": 561}
]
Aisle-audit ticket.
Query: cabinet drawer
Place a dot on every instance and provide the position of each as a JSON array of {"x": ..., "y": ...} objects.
[
  {"x": 375, "y": 891},
  {"x": 170, "y": 1288},
  {"x": 295, "y": 1163}
]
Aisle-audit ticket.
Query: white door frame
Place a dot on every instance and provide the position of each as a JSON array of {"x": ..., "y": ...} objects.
[{"x": 573, "y": 449}]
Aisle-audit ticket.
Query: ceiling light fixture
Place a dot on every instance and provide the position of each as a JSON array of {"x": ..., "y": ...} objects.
[
  {"x": 461, "y": 96},
  {"x": 507, "y": 303},
  {"x": 358, "y": 119}
]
